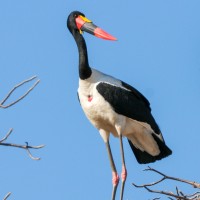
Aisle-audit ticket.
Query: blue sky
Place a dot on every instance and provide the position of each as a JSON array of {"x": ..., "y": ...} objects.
[{"x": 157, "y": 52}]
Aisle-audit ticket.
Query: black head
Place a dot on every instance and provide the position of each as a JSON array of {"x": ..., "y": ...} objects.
[
  {"x": 77, "y": 23},
  {"x": 71, "y": 23}
]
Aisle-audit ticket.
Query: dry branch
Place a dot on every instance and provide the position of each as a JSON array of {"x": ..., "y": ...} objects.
[
  {"x": 194, "y": 184},
  {"x": 26, "y": 146},
  {"x": 2, "y": 103},
  {"x": 179, "y": 195},
  {"x": 7, "y": 195}
]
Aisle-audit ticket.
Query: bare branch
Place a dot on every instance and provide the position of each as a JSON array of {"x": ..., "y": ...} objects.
[
  {"x": 26, "y": 147},
  {"x": 7, "y": 195},
  {"x": 171, "y": 194},
  {"x": 6, "y": 136},
  {"x": 170, "y": 198},
  {"x": 2, "y": 105},
  {"x": 33, "y": 147},
  {"x": 195, "y": 194},
  {"x": 179, "y": 194},
  {"x": 149, "y": 184},
  {"x": 20, "y": 98},
  {"x": 194, "y": 184}
]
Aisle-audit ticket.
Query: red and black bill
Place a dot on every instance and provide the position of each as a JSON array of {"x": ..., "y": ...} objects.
[{"x": 86, "y": 25}]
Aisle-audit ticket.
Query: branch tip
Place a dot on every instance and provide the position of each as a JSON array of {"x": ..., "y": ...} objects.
[
  {"x": 26, "y": 147},
  {"x": 20, "y": 98},
  {"x": 7, "y": 195},
  {"x": 179, "y": 194}
]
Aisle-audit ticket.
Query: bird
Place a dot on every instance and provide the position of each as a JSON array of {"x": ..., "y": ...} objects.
[{"x": 115, "y": 107}]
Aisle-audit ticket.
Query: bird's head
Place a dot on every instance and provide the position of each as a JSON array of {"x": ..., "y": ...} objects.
[{"x": 78, "y": 22}]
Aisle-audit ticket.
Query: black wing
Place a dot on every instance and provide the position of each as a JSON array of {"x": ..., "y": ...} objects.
[
  {"x": 129, "y": 102},
  {"x": 136, "y": 93}
]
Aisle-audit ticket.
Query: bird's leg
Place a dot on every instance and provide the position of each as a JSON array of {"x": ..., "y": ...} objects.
[
  {"x": 115, "y": 177},
  {"x": 124, "y": 171}
]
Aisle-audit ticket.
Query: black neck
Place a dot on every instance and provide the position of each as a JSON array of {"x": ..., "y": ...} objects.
[{"x": 84, "y": 68}]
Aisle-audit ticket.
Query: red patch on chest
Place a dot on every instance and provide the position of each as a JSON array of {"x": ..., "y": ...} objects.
[{"x": 90, "y": 98}]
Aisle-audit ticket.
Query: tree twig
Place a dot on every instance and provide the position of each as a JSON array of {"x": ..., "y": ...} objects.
[
  {"x": 6, "y": 136},
  {"x": 194, "y": 184},
  {"x": 2, "y": 103},
  {"x": 171, "y": 194},
  {"x": 149, "y": 184},
  {"x": 26, "y": 147},
  {"x": 7, "y": 195},
  {"x": 179, "y": 194}
]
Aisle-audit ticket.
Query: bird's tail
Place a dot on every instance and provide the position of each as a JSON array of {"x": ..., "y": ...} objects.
[{"x": 143, "y": 157}]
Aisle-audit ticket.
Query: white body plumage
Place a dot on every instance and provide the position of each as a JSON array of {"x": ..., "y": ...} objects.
[{"x": 101, "y": 114}]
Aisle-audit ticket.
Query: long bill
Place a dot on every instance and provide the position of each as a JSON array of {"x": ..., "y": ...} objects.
[{"x": 86, "y": 25}]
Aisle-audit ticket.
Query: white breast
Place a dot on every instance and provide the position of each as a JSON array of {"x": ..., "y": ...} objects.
[
  {"x": 98, "y": 111},
  {"x": 102, "y": 116}
]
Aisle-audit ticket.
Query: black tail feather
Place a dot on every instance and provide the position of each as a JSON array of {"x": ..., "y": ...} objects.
[{"x": 144, "y": 158}]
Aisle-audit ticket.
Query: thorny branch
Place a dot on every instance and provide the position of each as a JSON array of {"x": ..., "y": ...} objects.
[
  {"x": 179, "y": 195},
  {"x": 2, "y": 103},
  {"x": 26, "y": 146}
]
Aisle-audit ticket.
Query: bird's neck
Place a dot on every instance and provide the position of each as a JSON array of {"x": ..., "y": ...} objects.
[{"x": 84, "y": 68}]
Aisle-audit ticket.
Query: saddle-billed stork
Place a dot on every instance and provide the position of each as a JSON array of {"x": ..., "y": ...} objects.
[{"x": 113, "y": 106}]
